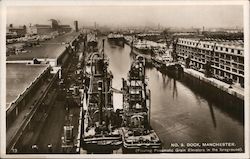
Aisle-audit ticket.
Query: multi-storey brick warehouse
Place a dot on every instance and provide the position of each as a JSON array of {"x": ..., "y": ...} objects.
[{"x": 226, "y": 57}]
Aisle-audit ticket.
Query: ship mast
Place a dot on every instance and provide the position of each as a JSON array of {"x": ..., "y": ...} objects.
[{"x": 103, "y": 88}]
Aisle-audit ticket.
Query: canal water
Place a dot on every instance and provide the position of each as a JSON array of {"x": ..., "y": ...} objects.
[{"x": 179, "y": 114}]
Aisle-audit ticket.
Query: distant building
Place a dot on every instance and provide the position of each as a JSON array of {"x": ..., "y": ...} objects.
[
  {"x": 40, "y": 29},
  {"x": 20, "y": 30},
  {"x": 47, "y": 29},
  {"x": 234, "y": 31},
  {"x": 184, "y": 30},
  {"x": 64, "y": 28},
  {"x": 226, "y": 30},
  {"x": 226, "y": 57}
]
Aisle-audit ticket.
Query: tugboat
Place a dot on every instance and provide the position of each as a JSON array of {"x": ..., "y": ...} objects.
[
  {"x": 138, "y": 136},
  {"x": 101, "y": 122}
]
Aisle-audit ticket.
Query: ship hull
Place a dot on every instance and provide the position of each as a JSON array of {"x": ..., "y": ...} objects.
[
  {"x": 116, "y": 41},
  {"x": 143, "y": 144},
  {"x": 143, "y": 51},
  {"x": 95, "y": 147},
  {"x": 138, "y": 136},
  {"x": 173, "y": 70},
  {"x": 100, "y": 134}
]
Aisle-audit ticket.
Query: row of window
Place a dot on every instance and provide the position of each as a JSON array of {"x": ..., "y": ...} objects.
[
  {"x": 223, "y": 65},
  {"x": 203, "y": 51},
  {"x": 224, "y": 73},
  {"x": 216, "y": 55},
  {"x": 217, "y": 48},
  {"x": 223, "y": 61}
]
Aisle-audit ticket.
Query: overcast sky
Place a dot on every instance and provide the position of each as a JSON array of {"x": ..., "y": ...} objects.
[{"x": 168, "y": 16}]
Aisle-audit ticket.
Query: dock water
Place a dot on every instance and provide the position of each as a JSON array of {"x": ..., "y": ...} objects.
[{"x": 181, "y": 109}]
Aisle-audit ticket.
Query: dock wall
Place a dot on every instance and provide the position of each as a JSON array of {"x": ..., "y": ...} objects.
[
  {"x": 214, "y": 84},
  {"x": 219, "y": 96}
]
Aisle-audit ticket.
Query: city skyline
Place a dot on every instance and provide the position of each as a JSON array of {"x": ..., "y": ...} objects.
[{"x": 183, "y": 16}]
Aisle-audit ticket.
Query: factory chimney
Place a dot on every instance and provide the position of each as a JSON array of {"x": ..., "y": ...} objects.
[{"x": 76, "y": 26}]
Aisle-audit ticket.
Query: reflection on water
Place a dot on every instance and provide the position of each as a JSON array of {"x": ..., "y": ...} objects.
[
  {"x": 212, "y": 113},
  {"x": 179, "y": 113},
  {"x": 170, "y": 83}
]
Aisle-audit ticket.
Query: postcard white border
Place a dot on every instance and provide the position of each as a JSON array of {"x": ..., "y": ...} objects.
[{"x": 5, "y": 4}]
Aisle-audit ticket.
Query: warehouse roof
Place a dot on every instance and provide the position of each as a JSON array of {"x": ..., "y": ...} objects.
[
  {"x": 19, "y": 77},
  {"x": 49, "y": 49}
]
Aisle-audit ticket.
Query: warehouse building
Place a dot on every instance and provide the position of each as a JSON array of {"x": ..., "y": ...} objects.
[
  {"x": 42, "y": 29},
  {"x": 226, "y": 57},
  {"x": 19, "y": 30},
  {"x": 29, "y": 77},
  {"x": 53, "y": 52},
  {"x": 22, "y": 81}
]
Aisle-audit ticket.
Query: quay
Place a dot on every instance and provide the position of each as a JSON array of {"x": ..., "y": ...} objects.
[
  {"x": 235, "y": 91},
  {"x": 32, "y": 79}
]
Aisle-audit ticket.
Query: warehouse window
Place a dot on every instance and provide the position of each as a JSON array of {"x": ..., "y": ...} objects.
[{"x": 234, "y": 70}]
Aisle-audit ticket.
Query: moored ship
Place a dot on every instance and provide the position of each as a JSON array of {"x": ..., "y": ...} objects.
[
  {"x": 142, "y": 46},
  {"x": 116, "y": 38},
  {"x": 164, "y": 62},
  {"x": 101, "y": 122},
  {"x": 138, "y": 135}
]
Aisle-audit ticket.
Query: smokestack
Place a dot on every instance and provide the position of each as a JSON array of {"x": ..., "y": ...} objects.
[{"x": 76, "y": 26}]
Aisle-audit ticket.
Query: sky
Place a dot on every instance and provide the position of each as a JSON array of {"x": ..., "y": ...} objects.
[{"x": 166, "y": 15}]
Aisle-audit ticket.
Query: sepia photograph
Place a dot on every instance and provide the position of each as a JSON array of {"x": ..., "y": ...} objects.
[{"x": 147, "y": 79}]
